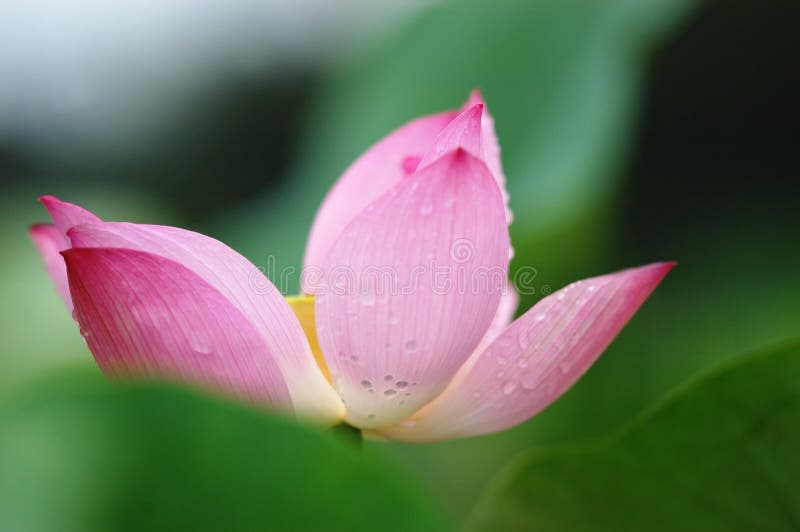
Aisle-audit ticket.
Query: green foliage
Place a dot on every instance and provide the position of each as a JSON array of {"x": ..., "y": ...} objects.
[
  {"x": 719, "y": 454},
  {"x": 80, "y": 455}
]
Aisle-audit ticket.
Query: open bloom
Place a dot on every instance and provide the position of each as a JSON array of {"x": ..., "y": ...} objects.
[{"x": 406, "y": 326}]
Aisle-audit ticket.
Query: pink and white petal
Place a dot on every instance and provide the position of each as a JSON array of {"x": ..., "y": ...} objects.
[
  {"x": 370, "y": 176},
  {"x": 246, "y": 287},
  {"x": 463, "y": 132},
  {"x": 509, "y": 302},
  {"x": 536, "y": 359},
  {"x": 490, "y": 147},
  {"x": 66, "y": 215},
  {"x": 51, "y": 242},
  {"x": 411, "y": 287},
  {"x": 143, "y": 315}
]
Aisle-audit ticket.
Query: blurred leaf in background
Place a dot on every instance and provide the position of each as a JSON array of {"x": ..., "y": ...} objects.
[
  {"x": 719, "y": 454},
  {"x": 77, "y": 454}
]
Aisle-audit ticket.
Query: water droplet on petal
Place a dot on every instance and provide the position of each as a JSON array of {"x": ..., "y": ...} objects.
[
  {"x": 509, "y": 387},
  {"x": 368, "y": 300},
  {"x": 366, "y": 384},
  {"x": 411, "y": 346},
  {"x": 390, "y": 392},
  {"x": 371, "y": 416},
  {"x": 528, "y": 382},
  {"x": 401, "y": 384},
  {"x": 199, "y": 345},
  {"x": 523, "y": 340},
  {"x": 387, "y": 378},
  {"x": 393, "y": 319}
]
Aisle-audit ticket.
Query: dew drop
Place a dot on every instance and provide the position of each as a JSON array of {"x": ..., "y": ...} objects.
[
  {"x": 522, "y": 340},
  {"x": 371, "y": 416},
  {"x": 401, "y": 384},
  {"x": 368, "y": 300},
  {"x": 540, "y": 317},
  {"x": 528, "y": 382},
  {"x": 411, "y": 346},
  {"x": 199, "y": 345},
  {"x": 354, "y": 358},
  {"x": 390, "y": 392},
  {"x": 387, "y": 378},
  {"x": 522, "y": 363},
  {"x": 366, "y": 384},
  {"x": 509, "y": 387},
  {"x": 393, "y": 319}
]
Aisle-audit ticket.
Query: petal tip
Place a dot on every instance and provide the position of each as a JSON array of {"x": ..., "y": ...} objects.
[{"x": 475, "y": 97}]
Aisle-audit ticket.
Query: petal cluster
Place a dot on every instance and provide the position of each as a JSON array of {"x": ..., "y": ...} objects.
[{"x": 406, "y": 329}]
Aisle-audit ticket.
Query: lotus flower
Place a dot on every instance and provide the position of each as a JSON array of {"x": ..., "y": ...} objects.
[{"x": 405, "y": 329}]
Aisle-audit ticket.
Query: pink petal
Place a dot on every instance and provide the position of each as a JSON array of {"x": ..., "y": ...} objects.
[
  {"x": 146, "y": 316},
  {"x": 52, "y": 239},
  {"x": 245, "y": 286},
  {"x": 509, "y": 302},
  {"x": 387, "y": 322},
  {"x": 463, "y": 132},
  {"x": 51, "y": 242},
  {"x": 490, "y": 147},
  {"x": 369, "y": 177},
  {"x": 66, "y": 215},
  {"x": 536, "y": 359}
]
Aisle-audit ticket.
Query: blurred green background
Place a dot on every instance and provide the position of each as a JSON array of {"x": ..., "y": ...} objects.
[{"x": 631, "y": 130}]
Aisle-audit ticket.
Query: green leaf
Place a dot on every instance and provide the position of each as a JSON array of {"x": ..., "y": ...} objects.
[
  {"x": 87, "y": 456},
  {"x": 718, "y": 454}
]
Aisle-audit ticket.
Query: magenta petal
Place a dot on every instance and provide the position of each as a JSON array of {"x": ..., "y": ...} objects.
[
  {"x": 392, "y": 329},
  {"x": 536, "y": 359},
  {"x": 370, "y": 176},
  {"x": 66, "y": 215},
  {"x": 144, "y": 315},
  {"x": 51, "y": 242},
  {"x": 245, "y": 286}
]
